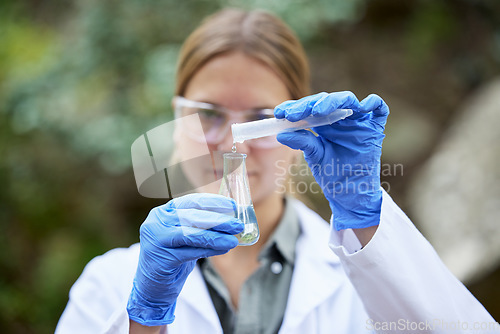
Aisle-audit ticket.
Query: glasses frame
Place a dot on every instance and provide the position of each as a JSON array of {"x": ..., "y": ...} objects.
[{"x": 181, "y": 102}]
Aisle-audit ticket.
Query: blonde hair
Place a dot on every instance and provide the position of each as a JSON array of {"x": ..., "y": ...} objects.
[{"x": 256, "y": 33}]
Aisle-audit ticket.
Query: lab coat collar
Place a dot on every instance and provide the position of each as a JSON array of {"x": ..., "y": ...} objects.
[{"x": 317, "y": 275}]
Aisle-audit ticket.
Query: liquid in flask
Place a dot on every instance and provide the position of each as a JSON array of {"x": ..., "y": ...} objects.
[{"x": 235, "y": 185}]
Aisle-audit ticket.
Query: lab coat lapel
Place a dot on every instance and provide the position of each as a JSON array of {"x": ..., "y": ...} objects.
[
  {"x": 317, "y": 273},
  {"x": 195, "y": 293}
]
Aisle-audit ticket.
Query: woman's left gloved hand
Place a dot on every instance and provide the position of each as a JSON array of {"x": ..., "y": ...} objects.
[{"x": 345, "y": 156}]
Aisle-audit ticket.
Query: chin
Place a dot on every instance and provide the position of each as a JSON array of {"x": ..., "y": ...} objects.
[{"x": 260, "y": 197}]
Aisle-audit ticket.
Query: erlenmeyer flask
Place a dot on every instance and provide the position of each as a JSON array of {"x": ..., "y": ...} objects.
[{"x": 235, "y": 185}]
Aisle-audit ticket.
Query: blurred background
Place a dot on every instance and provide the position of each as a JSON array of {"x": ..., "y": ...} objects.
[{"x": 81, "y": 80}]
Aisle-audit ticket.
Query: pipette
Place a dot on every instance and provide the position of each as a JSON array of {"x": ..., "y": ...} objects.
[{"x": 273, "y": 126}]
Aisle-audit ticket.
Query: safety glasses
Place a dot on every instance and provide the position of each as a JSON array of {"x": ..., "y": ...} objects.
[{"x": 216, "y": 121}]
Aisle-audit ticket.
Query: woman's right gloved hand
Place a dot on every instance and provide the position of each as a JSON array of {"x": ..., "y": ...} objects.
[{"x": 173, "y": 237}]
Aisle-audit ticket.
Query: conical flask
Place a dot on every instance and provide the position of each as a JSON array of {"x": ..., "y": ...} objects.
[{"x": 235, "y": 185}]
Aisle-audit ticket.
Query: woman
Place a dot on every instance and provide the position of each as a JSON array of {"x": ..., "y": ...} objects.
[{"x": 381, "y": 274}]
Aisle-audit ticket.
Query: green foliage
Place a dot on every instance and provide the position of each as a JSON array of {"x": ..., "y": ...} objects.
[{"x": 432, "y": 27}]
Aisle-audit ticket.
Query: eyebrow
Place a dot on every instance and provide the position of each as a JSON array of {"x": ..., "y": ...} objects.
[{"x": 207, "y": 102}]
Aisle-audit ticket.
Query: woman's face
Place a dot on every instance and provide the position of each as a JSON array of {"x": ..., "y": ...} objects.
[{"x": 239, "y": 83}]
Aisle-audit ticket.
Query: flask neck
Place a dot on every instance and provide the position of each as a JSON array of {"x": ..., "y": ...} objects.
[
  {"x": 235, "y": 180},
  {"x": 234, "y": 163}
]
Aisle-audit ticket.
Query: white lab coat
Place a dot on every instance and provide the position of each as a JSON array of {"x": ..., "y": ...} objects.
[{"x": 396, "y": 282}]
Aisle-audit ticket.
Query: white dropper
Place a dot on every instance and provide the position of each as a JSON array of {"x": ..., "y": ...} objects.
[{"x": 273, "y": 126}]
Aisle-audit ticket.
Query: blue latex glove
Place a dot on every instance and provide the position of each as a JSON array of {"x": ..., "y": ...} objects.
[
  {"x": 345, "y": 156},
  {"x": 173, "y": 237}
]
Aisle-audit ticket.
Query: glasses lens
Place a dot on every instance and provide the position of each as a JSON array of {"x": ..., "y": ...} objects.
[
  {"x": 212, "y": 121},
  {"x": 215, "y": 123},
  {"x": 264, "y": 142},
  {"x": 259, "y": 115}
]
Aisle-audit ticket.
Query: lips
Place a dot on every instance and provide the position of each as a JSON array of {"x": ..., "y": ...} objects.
[{"x": 252, "y": 176}]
